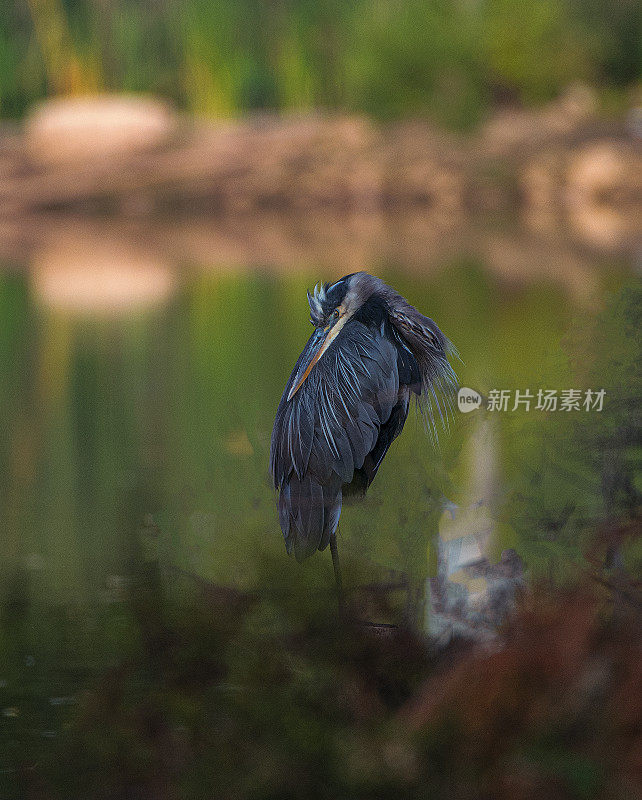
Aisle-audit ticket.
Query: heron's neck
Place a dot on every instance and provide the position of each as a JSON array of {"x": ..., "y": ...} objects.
[{"x": 373, "y": 312}]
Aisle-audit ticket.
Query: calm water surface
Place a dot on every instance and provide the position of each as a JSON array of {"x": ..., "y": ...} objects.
[{"x": 136, "y": 429}]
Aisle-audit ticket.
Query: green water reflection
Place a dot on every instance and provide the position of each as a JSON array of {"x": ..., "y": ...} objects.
[
  {"x": 139, "y": 441},
  {"x": 160, "y": 420}
]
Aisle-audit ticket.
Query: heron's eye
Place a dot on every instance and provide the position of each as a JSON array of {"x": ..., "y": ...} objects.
[{"x": 335, "y": 316}]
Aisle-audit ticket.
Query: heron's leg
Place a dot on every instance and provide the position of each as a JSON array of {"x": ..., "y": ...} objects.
[{"x": 334, "y": 550}]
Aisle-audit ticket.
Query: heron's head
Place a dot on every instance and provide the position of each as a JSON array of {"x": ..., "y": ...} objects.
[
  {"x": 331, "y": 302},
  {"x": 331, "y": 306}
]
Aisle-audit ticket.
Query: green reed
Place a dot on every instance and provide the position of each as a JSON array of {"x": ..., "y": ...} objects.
[{"x": 389, "y": 58}]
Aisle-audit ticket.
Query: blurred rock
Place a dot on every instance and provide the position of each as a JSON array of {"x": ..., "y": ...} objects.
[
  {"x": 518, "y": 128},
  {"x": 99, "y": 275},
  {"x": 94, "y": 127},
  {"x": 274, "y": 187},
  {"x": 604, "y": 193}
]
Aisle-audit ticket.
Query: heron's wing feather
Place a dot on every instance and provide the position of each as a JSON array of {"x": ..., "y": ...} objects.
[
  {"x": 387, "y": 434},
  {"x": 357, "y": 387},
  {"x": 430, "y": 348},
  {"x": 328, "y": 429},
  {"x": 293, "y": 432},
  {"x": 302, "y": 510}
]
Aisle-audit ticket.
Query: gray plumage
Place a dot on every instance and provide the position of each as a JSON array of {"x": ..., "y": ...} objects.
[{"x": 337, "y": 418}]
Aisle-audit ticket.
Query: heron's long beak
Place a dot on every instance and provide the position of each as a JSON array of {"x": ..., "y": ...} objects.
[{"x": 318, "y": 343}]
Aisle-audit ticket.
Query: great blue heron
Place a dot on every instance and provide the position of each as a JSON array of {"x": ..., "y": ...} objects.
[{"x": 347, "y": 400}]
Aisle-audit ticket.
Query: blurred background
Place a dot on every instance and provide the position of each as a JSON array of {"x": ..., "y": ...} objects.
[
  {"x": 454, "y": 61},
  {"x": 173, "y": 177}
]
